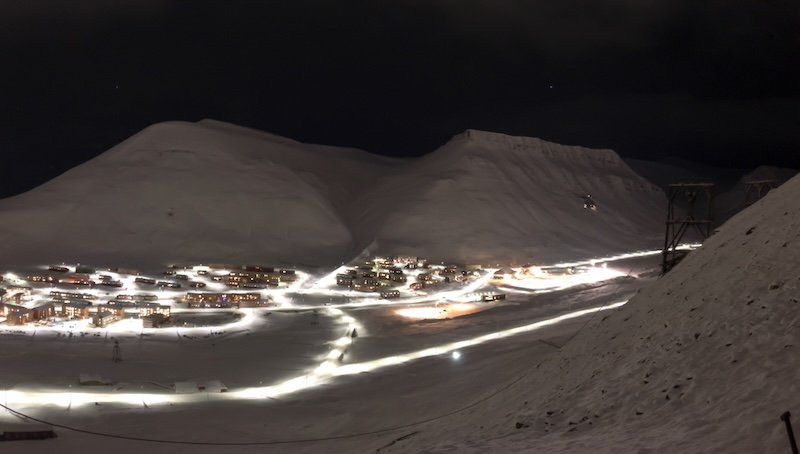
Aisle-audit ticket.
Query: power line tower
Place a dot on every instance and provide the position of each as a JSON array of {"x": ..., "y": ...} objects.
[
  {"x": 116, "y": 355},
  {"x": 755, "y": 190},
  {"x": 695, "y": 195}
]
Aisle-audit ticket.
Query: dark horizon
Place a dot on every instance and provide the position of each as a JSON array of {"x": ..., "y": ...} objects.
[{"x": 714, "y": 83}]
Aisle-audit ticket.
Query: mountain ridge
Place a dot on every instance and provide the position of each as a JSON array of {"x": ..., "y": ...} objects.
[{"x": 211, "y": 191}]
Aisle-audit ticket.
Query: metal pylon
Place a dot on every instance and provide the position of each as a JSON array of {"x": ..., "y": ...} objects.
[
  {"x": 693, "y": 193},
  {"x": 754, "y": 190}
]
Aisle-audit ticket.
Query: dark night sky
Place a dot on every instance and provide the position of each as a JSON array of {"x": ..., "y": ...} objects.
[{"x": 714, "y": 81}]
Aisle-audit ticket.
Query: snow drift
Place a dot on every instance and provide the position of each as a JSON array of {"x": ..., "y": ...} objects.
[{"x": 704, "y": 360}]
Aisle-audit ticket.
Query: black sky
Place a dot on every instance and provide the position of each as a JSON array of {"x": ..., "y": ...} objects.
[{"x": 713, "y": 81}]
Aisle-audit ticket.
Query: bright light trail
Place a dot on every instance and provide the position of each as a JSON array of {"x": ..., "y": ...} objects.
[
  {"x": 561, "y": 282},
  {"x": 628, "y": 255},
  {"x": 368, "y": 366},
  {"x": 438, "y": 312},
  {"x": 323, "y": 374}
]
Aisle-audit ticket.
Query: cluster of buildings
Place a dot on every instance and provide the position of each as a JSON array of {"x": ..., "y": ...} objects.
[
  {"x": 255, "y": 276},
  {"x": 436, "y": 275},
  {"x": 375, "y": 275},
  {"x": 225, "y": 300},
  {"x": 381, "y": 275},
  {"x": 18, "y": 308},
  {"x": 82, "y": 276},
  {"x": 236, "y": 276},
  {"x": 14, "y": 314},
  {"x": 20, "y": 304}
]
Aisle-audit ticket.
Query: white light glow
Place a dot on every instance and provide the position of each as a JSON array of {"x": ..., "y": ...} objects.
[{"x": 350, "y": 369}]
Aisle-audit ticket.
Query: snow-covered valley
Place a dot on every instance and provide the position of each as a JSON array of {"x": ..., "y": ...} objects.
[{"x": 538, "y": 324}]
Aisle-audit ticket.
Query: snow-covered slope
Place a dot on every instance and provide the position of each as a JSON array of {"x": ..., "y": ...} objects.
[
  {"x": 181, "y": 191},
  {"x": 705, "y": 360},
  {"x": 212, "y": 191},
  {"x": 487, "y": 197}
]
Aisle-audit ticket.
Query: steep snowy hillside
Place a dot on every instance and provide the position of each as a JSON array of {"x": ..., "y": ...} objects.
[
  {"x": 203, "y": 191},
  {"x": 705, "y": 360},
  {"x": 486, "y": 197}
]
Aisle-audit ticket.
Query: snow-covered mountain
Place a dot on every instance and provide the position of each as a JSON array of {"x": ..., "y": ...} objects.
[
  {"x": 212, "y": 191},
  {"x": 488, "y": 197},
  {"x": 704, "y": 360},
  {"x": 181, "y": 191}
]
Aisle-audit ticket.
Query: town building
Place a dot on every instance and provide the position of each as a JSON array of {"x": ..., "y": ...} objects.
[
  {"x": 345, "y": 279},
  {"x": 71, "y": 296},
  {"x": 493, "y": 297},
  {"x": 168, "y": 284},
  {"x": 75, "y": 309},
  {"x": 136, "y": 297},
  {"x": 77, "y": 279},
  {"x": 15, "y": 294},
  {"x": 250, "y": 302},
  {"x": 20, "y": 315},
  {"x": 259, "y": 268},
  {"x": 253, "y": 279},
  {"x": 106, "y": 315},
  {"x": 146, "y": 309},
  {"x": 394, "y": 277},
  {"x": 288, "y": 275},
  {"x": 366, "y": 285},
  {"x": 121, "y": 304},
  {"x": 42, "y": 279},
  {"x": 221, "y": 300}
]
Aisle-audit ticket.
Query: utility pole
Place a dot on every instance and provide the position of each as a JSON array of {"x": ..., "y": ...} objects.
[
  {"x": 116, "y": 354},
  {"x": 785, "y": 417}
]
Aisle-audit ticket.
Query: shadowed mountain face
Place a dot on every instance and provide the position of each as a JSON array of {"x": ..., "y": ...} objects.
[{"x": 211, "y": 191}]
